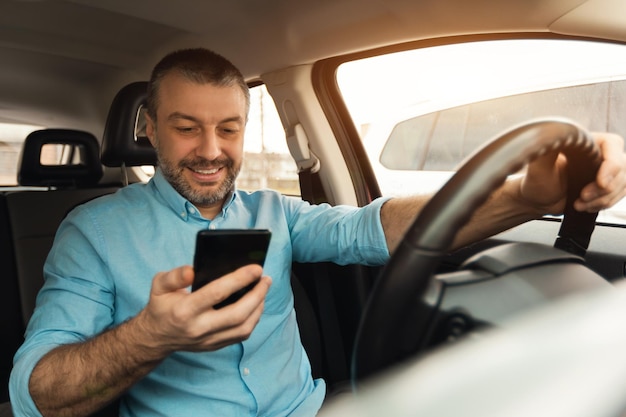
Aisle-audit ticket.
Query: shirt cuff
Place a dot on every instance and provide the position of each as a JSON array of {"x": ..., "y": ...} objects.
[{"x": 21, "y": 401}]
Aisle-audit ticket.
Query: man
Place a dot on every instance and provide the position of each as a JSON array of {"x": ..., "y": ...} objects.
[{"x": 109, "y": 321}]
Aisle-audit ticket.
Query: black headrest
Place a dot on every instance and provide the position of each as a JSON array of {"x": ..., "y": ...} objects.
[
  {"x": 121, "y": 145},
  {"x": 82, "y": 168}
]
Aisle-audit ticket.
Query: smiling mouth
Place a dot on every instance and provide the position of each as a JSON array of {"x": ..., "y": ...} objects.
[
  {"x": 206, "y": 175},
  {"x": 206, "y": 171}
]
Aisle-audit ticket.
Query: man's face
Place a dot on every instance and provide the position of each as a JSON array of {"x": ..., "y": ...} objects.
[{"x": 198, "y": 136}]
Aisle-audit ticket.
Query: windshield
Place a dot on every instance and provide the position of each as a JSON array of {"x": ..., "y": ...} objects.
[{"x": 420, "y": 113}]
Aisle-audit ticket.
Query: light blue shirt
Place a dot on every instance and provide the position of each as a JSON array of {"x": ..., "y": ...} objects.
[{"x": 99, "y": 273}]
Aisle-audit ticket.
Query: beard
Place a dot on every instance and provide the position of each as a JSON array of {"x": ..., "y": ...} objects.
[{"x": 200, "y": 195}]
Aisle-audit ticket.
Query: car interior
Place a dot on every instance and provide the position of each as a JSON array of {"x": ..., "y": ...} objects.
[{"x": 74, "y": 76}]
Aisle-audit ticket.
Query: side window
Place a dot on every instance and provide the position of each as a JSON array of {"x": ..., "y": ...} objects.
[
  {"x": 267, "y": 162},
  {"x": 424, "y": 111}
]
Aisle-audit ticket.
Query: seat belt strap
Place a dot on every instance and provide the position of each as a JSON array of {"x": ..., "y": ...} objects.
[
  {"x": 312, "y": 191},
  {"x": 331, "y": 335}
]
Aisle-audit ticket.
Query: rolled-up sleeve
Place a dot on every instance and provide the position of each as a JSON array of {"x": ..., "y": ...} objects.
[{"x": 340, "y": 234}]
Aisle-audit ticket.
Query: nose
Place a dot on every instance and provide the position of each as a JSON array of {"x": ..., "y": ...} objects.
[{"x": 209, "y": 145}]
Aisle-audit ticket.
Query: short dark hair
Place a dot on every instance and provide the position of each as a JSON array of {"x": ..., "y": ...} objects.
[{"x": 199, "y": 65}]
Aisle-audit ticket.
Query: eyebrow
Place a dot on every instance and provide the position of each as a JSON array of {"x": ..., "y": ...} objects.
[{"x": 179, "y": 115}]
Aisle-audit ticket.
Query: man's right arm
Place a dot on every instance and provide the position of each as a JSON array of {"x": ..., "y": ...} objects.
[{"x": 80, "y": 378}]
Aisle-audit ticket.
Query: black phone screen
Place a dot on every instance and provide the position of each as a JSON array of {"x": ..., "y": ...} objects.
[{"x": 220, "y": 252}]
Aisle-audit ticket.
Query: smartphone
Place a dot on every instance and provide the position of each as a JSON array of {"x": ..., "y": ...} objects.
[{"x": 220, "y": 252}]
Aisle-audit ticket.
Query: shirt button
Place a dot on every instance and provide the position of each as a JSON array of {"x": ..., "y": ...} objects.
[
  {"x": 192, "y": 210},
  {"x": 212, "y": 227},
  {"x": 246, "y": 371}
]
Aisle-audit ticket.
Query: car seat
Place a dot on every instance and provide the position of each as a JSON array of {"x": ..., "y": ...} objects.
[
  {"x": 29, "y": 218},
  {"x": 125, "y": 145}
]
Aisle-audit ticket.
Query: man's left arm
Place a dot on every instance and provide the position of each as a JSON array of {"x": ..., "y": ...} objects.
[{"x": 541, "y": 191}]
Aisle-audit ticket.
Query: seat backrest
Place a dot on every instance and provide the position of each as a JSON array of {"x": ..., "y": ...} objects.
[
  {"x": 11, "y": 325},
  {"x": 35, "y": 215},
  {"x": 29, "y": 220}
]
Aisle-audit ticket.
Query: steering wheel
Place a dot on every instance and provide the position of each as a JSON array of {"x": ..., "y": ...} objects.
[{"x": 398, "y": 313}]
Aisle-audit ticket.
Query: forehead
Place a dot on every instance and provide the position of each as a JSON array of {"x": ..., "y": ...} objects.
[{"x": 178, "y": 94}]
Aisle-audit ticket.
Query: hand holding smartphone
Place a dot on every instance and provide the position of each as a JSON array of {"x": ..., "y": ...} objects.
[{"x": 220, "y": 252}]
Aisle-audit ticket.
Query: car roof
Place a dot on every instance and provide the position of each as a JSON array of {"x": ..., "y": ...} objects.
[{"x": 87, "y": 49}]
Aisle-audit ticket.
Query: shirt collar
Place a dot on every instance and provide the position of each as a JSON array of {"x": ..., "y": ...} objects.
[{"x": 181, "y": 206}]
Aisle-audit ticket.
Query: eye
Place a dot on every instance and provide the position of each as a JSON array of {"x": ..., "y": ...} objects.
[
  {"x": 185, "y": 130},
  {"x": 229, "y": 130}
]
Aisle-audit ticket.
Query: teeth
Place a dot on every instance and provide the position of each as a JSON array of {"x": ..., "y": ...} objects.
[{"x": 207, "y": 171}]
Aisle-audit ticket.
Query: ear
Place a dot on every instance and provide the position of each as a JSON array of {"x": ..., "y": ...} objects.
[{"x": 150, "y": 129}]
